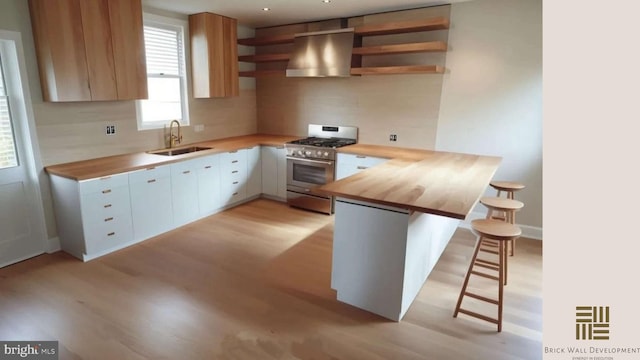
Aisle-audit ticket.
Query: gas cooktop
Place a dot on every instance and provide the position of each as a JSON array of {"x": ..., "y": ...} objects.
[{"x": 324, "y": 142}]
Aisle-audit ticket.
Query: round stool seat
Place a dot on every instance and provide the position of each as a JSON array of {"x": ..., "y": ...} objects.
[
  {"x": 501, "y": 204},
  {"x": 495, "y": 229},
  {"x": 506, "y": 185}
]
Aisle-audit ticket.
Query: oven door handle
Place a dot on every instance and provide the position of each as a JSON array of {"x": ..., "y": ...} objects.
[{"x": 311, "y": 161}]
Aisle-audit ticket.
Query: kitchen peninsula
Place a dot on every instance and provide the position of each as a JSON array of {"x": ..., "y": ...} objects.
[{"x": 394, "y": 220}]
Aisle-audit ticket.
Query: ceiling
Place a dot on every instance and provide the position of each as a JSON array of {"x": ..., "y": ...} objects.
[{"x": 249, "y": 12}]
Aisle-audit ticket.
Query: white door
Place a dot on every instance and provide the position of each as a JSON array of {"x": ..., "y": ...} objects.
[{"x": 22, "y": 233}]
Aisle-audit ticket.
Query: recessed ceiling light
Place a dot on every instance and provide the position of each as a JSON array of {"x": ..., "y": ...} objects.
[
  {"x": 266, "y": 9},
  {"x": 326, "y": 1}
]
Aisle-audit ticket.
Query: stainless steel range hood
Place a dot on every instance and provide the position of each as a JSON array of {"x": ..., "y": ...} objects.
[{"x": 322, "y": 54}]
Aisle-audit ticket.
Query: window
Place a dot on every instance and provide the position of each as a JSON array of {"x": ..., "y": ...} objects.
[
  {"x": 8, "y": 156},
  {"x": 166, "y": 74}
]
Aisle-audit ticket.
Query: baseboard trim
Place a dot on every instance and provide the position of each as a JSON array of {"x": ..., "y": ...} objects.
[
  {"x": 53, "y": 245},
  {"x": 530, "y": 232}
]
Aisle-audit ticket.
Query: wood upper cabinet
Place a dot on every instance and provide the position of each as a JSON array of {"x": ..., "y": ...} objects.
[
  {"x": 127, "y": 37},
  {"x": 214, "y": 55},
  {"x": 89, "y": 50}
]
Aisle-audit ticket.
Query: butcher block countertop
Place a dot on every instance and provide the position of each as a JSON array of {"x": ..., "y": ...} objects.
[
  {"x": 441, "y": 183},
  {"x": 94, "y": 168},
  {"x": 387, "y": 152}
]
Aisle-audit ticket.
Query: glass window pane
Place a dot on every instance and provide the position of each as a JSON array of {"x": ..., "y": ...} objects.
[
  {"x": 164, "y": 100},
  {"x": 8, "y": 156},
  {"x": 166, "y": 76}
]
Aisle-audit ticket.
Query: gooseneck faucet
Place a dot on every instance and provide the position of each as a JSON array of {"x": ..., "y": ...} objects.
[{"x": 174, "y": 139}]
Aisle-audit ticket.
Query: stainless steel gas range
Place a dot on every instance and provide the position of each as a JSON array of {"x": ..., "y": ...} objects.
[{"x": 311, "y": 162}]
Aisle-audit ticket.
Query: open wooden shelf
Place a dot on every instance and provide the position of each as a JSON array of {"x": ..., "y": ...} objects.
[
  {"x": 261, "y": 73},
  {"x": 398, "y": 27},
  {"x": 380, "y": 70},
  {"x": 264, "y": 58},
  {"x": 387, "y": 70},
  {"x": 431, "y": 46},
  {"x": 267, "y": 40}
]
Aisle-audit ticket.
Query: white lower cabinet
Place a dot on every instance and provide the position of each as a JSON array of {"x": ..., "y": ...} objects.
[
  {"x": 184, "y": 192},
  {"x": 151, "y": 201},
  {"x": 350, "y": 164},
  {"x": 101, "y": 215},
  {"x": 254, "y": 172},
  {"x": 209, "y": 200},
  {"x": 93, "y": 216},
  {"x": 274, "y": 171},
  {"x": 233, "y": 176}
]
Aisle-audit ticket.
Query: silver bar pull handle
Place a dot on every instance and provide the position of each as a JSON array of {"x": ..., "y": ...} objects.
[
  {"x": 151, "y": 181},
  {"x": 362, "y": 167},
  {"x": 106, "y": 191}
]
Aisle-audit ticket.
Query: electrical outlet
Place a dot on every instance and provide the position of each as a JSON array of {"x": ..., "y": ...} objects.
[
  {"x": 198, "y": 128},
  {"x": 110, "y": 129},
  {"x": 393, "y": 137}
]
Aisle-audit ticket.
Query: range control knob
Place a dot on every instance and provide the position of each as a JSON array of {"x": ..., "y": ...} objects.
[
  {"x": 300, "y": 152},
  {"x": 308, "y": 153},
  {"x": 319, "y": 153},
  {"x": 326, "y": 153}
]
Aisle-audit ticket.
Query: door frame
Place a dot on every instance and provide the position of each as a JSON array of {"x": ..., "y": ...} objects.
[{"x": 24, "y": 128}]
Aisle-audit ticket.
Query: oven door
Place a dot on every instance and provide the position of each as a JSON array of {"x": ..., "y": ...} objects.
[{"x": 309, "y": 173}]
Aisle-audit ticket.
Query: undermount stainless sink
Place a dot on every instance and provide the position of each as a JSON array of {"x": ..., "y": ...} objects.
[{"x": 179, "y": 151}]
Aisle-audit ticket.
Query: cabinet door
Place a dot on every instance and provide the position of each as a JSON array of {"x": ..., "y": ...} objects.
[
  {"x": 59, "y": 42},
  {"x": 209, "y": 185},
  {"x": 269, "y": 170},
  {"x": 151, "y": 207},
  {"x": 99, "y": 52},
  {"x": 127, "y": 36},
  {"x": 214, "y": 55},
  {"x": 230, "y": 48},
  {"x": 184, "y": 192},
  {"x": 281, "y": 154},
  {"x": 254, "y": 172}
]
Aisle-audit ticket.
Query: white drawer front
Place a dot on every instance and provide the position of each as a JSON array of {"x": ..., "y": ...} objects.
[
  {"x": 150, "y": 174},
  {"x": 106, "y": 235},
  {"x": 98, "y": 207},
  {"x": 234, "y": 157},
  {"x": 185, "y": 167},
  {"x": 103, "y": 184},
  {"x": 209, "y": 162},
  {"x": 362, "y": 161}
]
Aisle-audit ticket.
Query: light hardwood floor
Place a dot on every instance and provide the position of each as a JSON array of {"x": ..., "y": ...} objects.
[{"x": 253, "y": 282}]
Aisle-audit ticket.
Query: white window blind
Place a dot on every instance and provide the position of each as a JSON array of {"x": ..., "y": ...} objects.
[
  {"x": 165, "y": 76},
  {"x": 8, "y": 156}
]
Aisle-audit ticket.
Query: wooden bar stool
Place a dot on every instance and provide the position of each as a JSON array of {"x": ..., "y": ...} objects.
[
  {"x": 502, "y": 232},
  {"x": 506, "y": 208},
  {"x": 508, "y": 187}
]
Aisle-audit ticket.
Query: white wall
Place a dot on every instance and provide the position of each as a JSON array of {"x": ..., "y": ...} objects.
[{"x": 491, "y": 100}]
